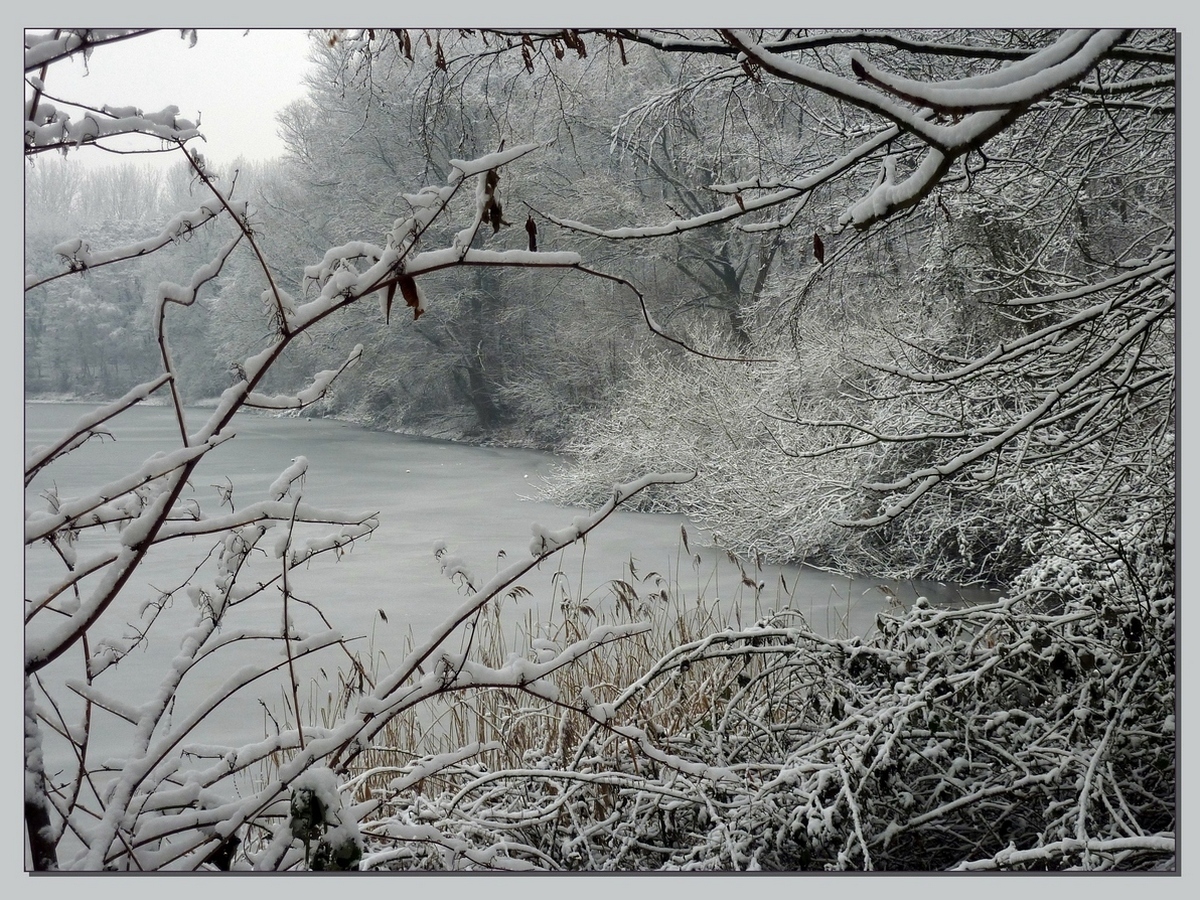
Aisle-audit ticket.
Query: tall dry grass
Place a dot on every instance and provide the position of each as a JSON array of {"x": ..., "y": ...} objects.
[
  {"x": 727, "y": 734},
  {"x": 690, "y": 598}
]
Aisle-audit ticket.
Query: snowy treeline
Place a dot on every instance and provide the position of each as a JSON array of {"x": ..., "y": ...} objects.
[{"x": 893, "y": 301}]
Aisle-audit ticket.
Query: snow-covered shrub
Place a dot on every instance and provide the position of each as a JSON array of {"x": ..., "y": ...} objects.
[
  {"x": 1111, "y": 555},
  {"x": 714, "y": 418},
  {"x": 997, "y": 737}
]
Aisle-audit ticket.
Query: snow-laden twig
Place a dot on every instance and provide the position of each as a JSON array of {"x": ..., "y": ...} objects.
[
  {"x": 919, "y": 482},
  {"x": 42, "y": 49},
  {"x": 373, "y": 712},
  {"x": 991, "y": 103},
  {"x": 80, "y": 257},
  {"x": 60, "y": 131},
  {"x": 40, "y": 525},
  {"x": 319, "y": 387},
  {"x": 86, "y": 427},
  {"x": 1068, "y": 848}
]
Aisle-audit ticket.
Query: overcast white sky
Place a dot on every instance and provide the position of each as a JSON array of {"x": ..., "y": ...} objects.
[{"x": 235, "y": 81}]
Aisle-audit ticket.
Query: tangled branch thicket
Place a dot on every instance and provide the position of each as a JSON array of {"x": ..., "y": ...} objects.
[{"x": 1033, "y": 733}]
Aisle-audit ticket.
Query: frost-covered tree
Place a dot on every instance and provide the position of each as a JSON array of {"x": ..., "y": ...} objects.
[
  {"x": 976, "y": 289},
  {"x": 499, "y": 357}
]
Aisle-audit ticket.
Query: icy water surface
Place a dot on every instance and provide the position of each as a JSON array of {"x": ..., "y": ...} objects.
[{"x": 473, "y": 498}]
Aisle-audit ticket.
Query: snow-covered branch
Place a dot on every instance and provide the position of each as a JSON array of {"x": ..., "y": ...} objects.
[
  {"x": 320, "y": 385},
  {"x": 88, "y": 427},
  {"x": 80, "y": 257},
  {"x": 40, "y": 525}
]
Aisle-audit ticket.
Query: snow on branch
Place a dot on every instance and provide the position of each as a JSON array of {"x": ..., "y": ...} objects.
[
  {"x": 433, "y": 260},
  {"x": 185, "y": 295},
  {"x": 781, "y": 192},
  {"x": 44, "y": 48},
  {"x": 191, "y": 525},
  {"x": 88, "y": 426},
  {"x": 488, "y": 208},
  {"x": 888, "y": 196},
  {"x": 678, "y": 226},
  {"x": 358, "y": 268},
  {"x": 461, "y": 169},
  {"x": 54, "y": 129},
  {"x": 1038, "y": 341},
  {"x": 989, "y": 102},
  {"x": 263, "y": 511},
  {"x": 532, "y": 676},
  {"x": 319, "y": 387},
  {"x": 1012, "y": 858},
  {"x": 338, "y": 260},
  {"x": 80, "y": 257},
  {"x": 1064, "y": 62},
  {"x": 921, "y": 481},
  {"x": 49, "y": 128},
  {"x": 836, "y": 86},
  {"x": 39, "y": 525},
  {"x": 140, "y": 767},
  {"x": 419, "y": 770}
]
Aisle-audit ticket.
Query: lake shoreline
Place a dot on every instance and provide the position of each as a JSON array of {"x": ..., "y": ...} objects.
[
  {"x": 503, "y": 438},
  {"x": 462, "y": 441}
]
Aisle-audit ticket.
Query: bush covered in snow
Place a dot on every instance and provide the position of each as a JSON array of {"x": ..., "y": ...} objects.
[{"x": 1001, "y": 737}]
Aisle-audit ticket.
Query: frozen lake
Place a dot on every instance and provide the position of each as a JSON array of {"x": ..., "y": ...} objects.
[{"x": 476, "y": 499}]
